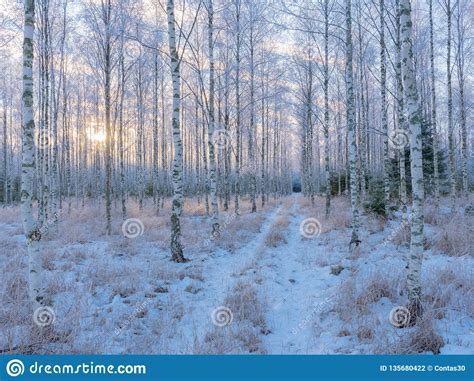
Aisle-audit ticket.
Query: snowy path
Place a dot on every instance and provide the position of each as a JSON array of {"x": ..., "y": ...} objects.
[
  {"x": 296, "y": 292},
  {"x": 221, "y": 271}
]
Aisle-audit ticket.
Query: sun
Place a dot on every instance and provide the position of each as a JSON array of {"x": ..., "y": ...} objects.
[{"x": 98, "y": 137}]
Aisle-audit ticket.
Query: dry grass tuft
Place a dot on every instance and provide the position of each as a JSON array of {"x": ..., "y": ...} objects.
[
  {"x": 431, "y": 215},
  {"x": 276, "y": 235},
  {"x": 455, "y": 238},
  {"x": 402, "y": 235},
  {"x": 244, "y": 303},
  {"x": 365, "y": 333},
  {"x": 243, "y": 334},
  {"x": 375, "y": 223},
  {"x": 275, "y": 239},
  {"x": 420, "y": 339},
  {"x": 358, "y": 294},
  {"x": 240, "y": 231}
]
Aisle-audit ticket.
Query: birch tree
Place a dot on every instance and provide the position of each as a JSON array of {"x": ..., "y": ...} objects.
[
  {"x": 433, "y": 110},
  {"x": 351, "y": 133},
  {"x": 211, "y": 129},
  {"x": 5, "y": 145},
  {"x": 251, "y": 129},
  {"x": 452, "y": 164},
  {"x": 326, "y": 108},
  {"x": 383, "y": 91},
  {"x": 460, "y": 68},
  {"x": 416, "y": 163},
  {"x": 44, "y": 133},
  {"x": 401, "y": 116},
  {"x": 101, "y": 18},
  {"x": 32, "y": 232},
  {"x": 177, "y": 203},
  {"x": 238, "y": 45}
]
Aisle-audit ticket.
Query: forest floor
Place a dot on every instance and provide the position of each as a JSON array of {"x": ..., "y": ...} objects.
[{"x": 276, "y": 281}]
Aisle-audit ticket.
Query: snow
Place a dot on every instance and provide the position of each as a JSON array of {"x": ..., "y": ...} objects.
[{"x": 119, "y": 295}]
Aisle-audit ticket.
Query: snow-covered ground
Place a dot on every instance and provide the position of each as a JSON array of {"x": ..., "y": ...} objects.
[{"x": 266, "y": 285}]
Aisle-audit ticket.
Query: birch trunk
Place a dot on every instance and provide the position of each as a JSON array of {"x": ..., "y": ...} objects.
[
  {"x": 401, "y": 119},
  {"x": 237, "y": 106},
  {"x": 108, "y": 130},
  {"x": 32, "y": 233},
  {"x": 452, "y": 167},
  {"x": 251, "y": 130},
  {"x": 121, "y": 148},
  {"x": 351, "y": 135},
  {"x": 433, "y": 111},
  {"x": 227, "y": 150},
  {"x": 383, "y": 83},
  {"x": 177, "y": 206},
  {"x": 44, "y": 133},
  {"x": 5, "y": 158},
  {"x": 362, "y": 113},
  {"x": 212, "y": 156},
  {"x": 156, "y": 198},
  {"x": 416, "y": 162},
  {"x": 326, "y": 108},
  {"x": 462, "y": 104}
]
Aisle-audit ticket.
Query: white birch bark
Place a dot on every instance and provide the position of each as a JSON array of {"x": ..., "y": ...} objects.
[
  {"x": 326, "y": 108},
  {"x": 383, "y": 89},
  {"x": 177, "y": 203},
  {"x": 401, "y": 119},
  {"x": 32, "y": 233},
  {"x": 212, "y": 156},
  {"x": 237, "y": 106},
  {"x": 462, "y": 104},
  {"x": 251, "y": 130},
  {"x": 433, "y": 111},
  {"x": 5, "y": 157},
  {"x": 452, "y": 164},
  {"x": 351, "y": 135},
  {"x": 416, "y": 163},
  {"x": 107, "y": 13}
]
